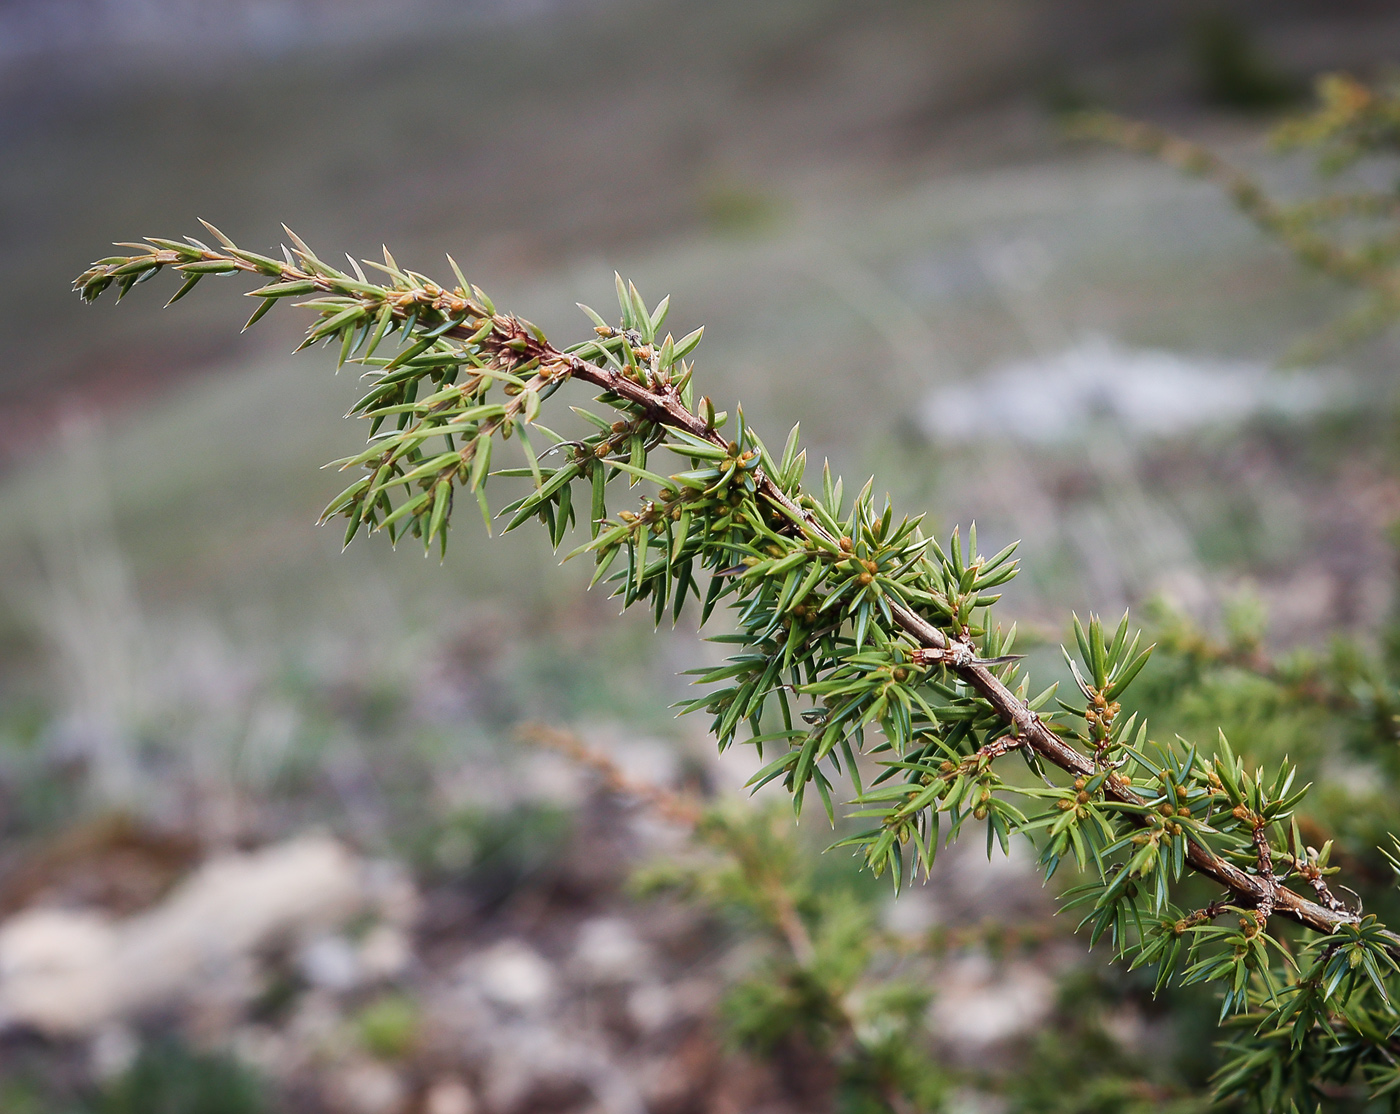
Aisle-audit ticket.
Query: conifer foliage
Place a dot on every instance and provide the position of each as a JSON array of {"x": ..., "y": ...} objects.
[{"x": 856, "y": 634}]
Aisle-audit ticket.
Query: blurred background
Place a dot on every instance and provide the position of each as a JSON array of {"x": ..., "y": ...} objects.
[{"x": 269, "y": 838}]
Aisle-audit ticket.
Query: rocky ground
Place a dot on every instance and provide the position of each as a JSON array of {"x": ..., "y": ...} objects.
[{"x": 347, "y": 983}]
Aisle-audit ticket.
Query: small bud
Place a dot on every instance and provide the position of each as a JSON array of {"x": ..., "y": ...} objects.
[
  {"x": 846, "y": 544},
  {"x": 1166, "y": 809},
  {"x": 1064, "y": 805},
  {"x": 1082, "y": 797},
  {"x": 980, "y": 812},
  {"x": 866, "y": 578},
  {"x": 619, "y": 427},
  {"x": 901, "y": 674},
  {"x": 1239, "y": 812},
  {"x": 1080, "y": 782},
  {"x": 1183, "y": 810}
]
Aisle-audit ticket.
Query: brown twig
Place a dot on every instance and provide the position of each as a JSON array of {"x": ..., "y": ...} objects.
[{"x": 684, "y": 811}]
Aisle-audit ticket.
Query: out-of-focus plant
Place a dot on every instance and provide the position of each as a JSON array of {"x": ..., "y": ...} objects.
[
  {"x": 832, "y": 984},
  {"x": 1350, "y": 234},
  {"x": 169, "y": 1078},
  {"x": 854, "y": 634}
]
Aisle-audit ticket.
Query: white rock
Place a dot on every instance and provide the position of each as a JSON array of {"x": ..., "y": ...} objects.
[
  {"x": 369, "y": 1088},
  {"x": 58, "y": 969},
  {"x": 978, "y": 1005},
  {"x": 912, "y": 914},
  {"x": 1141, "y": 391},
  {"x": 608, "y": 951},
  {"x": 70, "y": 972},
  {"x": 651, "y": 1006},
  {"x": 331, "y": 962},
  {"x": 513, "y": 974},
  {"x": 449, "y": 1096},
  {"x": 385, "y": 953}
]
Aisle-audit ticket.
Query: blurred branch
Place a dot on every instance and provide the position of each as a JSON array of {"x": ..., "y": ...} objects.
[
  {"x": 1352, "y": 123},
  {"x": 767, "y": 887}
]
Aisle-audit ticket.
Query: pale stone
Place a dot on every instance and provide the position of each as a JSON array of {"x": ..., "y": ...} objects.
[
  {"x": 449, "y": 1096},
  {"x": 608, "y": 950},
  {"x": 511, "y": 973},
  {"x": 69, "y": 972}
]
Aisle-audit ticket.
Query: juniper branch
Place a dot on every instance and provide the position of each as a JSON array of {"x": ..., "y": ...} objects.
[{"x": 773, "y": 547}]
